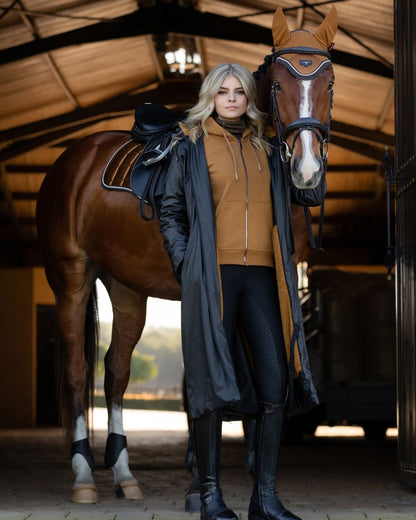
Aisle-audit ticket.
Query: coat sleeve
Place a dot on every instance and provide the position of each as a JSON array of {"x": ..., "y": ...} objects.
[{"x": 174, "y": 223}]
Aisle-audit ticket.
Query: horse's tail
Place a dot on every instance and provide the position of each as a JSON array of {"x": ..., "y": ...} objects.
[
  {"x": 91, "y": 348},
  {"x": 91, "y": 336}
]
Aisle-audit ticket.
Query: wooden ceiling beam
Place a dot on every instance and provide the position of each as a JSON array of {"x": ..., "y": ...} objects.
[
  {"x": 175, "y": 19},
  {"x": 359, "y": 220},
  {"x": 360, "y": 147},
  {"x": 172, "y": 92},
  {"x": 372, "y": 136},
  {"x": 50, "y": 62},
  {"x": 155, "y": 58},
  {"x": 54, "y": 130},
  {"x": 12, "y": 220},
  {"x": 353, "y": 195},
  {"x": 353, "y": 168}
]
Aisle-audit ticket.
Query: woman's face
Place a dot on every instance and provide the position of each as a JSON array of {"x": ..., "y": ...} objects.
[{"x": 231, "y": 100}]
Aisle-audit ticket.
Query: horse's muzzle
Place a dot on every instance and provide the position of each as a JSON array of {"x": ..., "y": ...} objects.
[{"x": 305, "y": 179}]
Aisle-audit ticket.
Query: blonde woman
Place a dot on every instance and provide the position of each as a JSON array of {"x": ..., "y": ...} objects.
[{"x": 225, "y": 199}]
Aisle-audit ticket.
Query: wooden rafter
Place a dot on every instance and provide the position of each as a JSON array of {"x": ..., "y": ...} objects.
[
  {"x": 47, "y": 56},
  {"x": 175, "y": 19}
]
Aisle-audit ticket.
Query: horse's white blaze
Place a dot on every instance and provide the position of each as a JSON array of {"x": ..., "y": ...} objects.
[
  {"x": 308, "y": 165},
  {"x": 121, "y": 470}
]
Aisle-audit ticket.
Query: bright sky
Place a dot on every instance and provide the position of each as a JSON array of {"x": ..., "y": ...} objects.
[{"x": 160, "y": 313}]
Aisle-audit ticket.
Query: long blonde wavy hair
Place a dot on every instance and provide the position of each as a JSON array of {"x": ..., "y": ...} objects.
[{"x": 204, "y": 108}]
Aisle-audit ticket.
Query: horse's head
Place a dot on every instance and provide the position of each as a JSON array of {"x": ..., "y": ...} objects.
[{"x": 302, "y": 79}]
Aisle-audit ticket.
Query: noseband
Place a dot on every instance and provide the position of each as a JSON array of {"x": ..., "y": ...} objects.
[{"x": 321, "y": 130}]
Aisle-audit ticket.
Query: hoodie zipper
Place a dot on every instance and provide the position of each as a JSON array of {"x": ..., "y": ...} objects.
[{"x": 246, "y": 203}]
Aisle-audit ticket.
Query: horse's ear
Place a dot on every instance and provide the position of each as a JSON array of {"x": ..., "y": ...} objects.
[
  {"x": 280, "y": 29},
  {"x": 326, "y": 31}
]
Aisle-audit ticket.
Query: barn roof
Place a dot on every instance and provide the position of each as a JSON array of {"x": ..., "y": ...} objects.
[{"x": 72, "y": 67}]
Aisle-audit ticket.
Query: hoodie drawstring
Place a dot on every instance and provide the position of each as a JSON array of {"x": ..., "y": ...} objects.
[
  {"x": 234, "y": 158},
  {"x": 255, "y": 155},
  {"x": 232, "y": 154}
]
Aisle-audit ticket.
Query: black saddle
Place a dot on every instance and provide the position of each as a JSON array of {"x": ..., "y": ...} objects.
[
  {"x": 151, "y": 119},
  {"x": 157, "y": 127}
]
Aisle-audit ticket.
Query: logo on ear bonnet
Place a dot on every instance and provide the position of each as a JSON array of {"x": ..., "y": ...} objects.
[{"x": 305, "y": 63}]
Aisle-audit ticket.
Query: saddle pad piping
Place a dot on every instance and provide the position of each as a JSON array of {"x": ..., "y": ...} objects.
[{"x": 104, "y": 184}]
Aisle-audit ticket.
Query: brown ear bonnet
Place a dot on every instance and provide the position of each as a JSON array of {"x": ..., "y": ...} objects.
[{"x": 310, "y": 54}]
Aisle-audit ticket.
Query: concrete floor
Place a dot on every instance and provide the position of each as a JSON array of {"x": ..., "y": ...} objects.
[{"x": 326, "y": 478}]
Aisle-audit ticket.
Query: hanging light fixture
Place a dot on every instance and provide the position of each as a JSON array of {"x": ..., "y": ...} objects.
[{"x": 181, "y": 61}]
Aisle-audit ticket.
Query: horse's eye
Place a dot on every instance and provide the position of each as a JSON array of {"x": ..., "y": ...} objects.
[
  {"x": 277, "y": 86},
  {"x": 331, "y": 84}
]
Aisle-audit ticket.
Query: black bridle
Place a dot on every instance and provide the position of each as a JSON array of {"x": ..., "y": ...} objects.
[{"x": 321, "y": 130}]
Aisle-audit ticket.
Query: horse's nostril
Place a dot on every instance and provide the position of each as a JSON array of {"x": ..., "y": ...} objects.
[{"x": 295, "y": 164}]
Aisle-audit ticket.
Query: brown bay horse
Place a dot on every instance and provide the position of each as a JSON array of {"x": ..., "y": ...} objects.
[{"x": 87, "y": 233}]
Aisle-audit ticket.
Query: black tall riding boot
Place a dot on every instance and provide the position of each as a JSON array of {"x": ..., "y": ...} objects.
[
  {"x": 207, "y": 438},
  {"x": 264, "y": 503}
]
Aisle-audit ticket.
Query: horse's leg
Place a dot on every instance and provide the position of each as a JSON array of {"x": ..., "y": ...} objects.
[
  {"x": 129, "y": 310},
  {"x": 73, "y": 284}
]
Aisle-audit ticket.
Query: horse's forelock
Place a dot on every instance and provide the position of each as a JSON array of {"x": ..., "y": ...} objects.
[{"x": 263, "y": 68}]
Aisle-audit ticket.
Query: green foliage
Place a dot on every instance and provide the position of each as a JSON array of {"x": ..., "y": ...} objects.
[
  {"x": 156, "y": 360},
  {"x": 165, "y": 345},
  {"x": 143, "y": 368}
]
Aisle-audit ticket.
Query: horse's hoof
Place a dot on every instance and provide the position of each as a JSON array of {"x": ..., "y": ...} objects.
[
  {"x": 84, "y": 494},
  {"x": 129, "y": 489},
  {"x": 192, "y": 503}
]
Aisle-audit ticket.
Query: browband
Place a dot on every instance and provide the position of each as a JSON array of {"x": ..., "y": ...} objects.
[
  {"x": 303, "y": 62},
  {"x": 303, "y": 75},
  {"x": 301, "y": 50}
]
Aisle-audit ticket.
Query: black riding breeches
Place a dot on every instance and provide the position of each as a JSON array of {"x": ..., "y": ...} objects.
[{"x": 251, "y": 300}]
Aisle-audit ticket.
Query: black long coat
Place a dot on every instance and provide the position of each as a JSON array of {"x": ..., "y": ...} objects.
[{"x": 187, "y": 221}]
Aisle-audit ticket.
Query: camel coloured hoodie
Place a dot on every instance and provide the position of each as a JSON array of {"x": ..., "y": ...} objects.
[{"x": 240, "y": 182}]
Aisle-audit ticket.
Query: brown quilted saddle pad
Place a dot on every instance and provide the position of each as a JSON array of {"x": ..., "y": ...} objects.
[{"x": 117, "y": 172}]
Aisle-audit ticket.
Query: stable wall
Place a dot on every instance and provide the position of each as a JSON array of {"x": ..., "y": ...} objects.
[{"x": 21, "y": 290}]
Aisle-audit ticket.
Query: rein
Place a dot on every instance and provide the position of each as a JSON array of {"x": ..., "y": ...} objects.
[{"x": 320, "y": 129}]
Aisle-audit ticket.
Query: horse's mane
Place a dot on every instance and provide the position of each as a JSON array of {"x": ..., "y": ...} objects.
[{"x": 262, "y": 69}]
